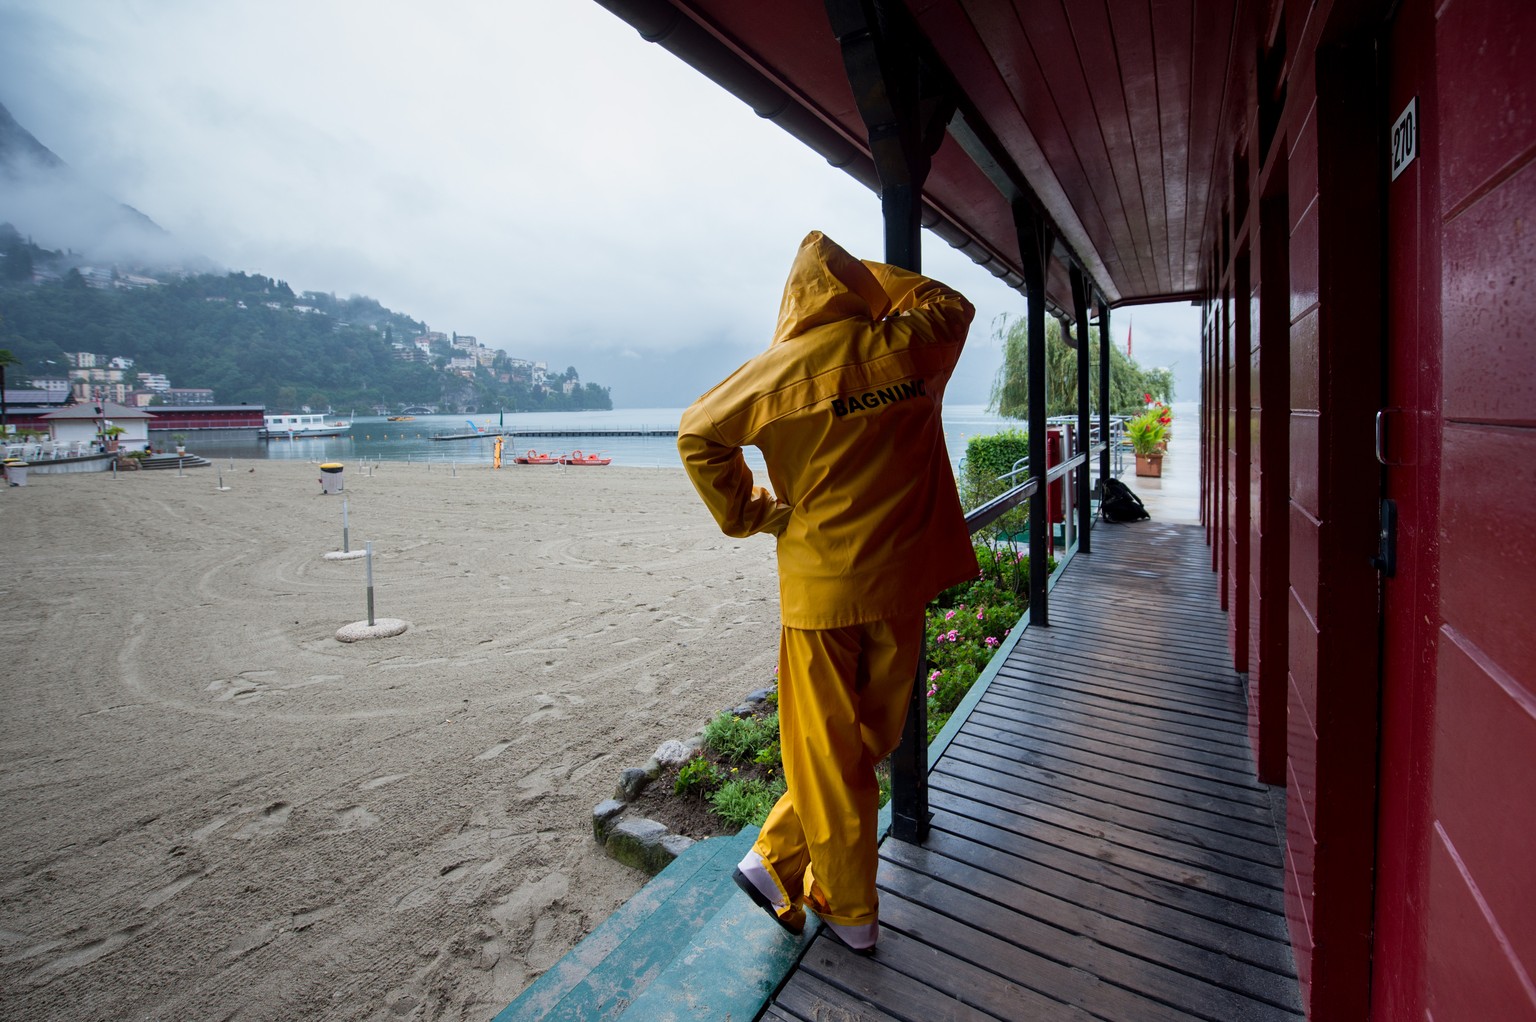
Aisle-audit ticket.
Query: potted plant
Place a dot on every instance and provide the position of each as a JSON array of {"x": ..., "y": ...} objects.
[
  {"x": 110, "y": 435},
  {"x": 1147, "y": 432},
  {"x": 180, "y": 440}
]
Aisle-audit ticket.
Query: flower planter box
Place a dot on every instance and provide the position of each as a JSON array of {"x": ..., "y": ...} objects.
[{"x": 1149, "y": 465}]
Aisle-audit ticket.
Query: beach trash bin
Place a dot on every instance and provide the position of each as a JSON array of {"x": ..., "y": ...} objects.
[
  {"x": 15, "y": 471},
  {"x": 330, "y": 477}
]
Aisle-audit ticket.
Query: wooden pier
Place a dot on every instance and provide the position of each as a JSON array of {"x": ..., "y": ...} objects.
[{"x": 1099, "y": 849}]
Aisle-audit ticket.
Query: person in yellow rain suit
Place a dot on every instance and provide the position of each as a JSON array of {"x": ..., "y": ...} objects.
[{"x": 844, "y": 405}]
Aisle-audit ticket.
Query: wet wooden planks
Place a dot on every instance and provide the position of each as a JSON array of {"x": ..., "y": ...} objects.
[{"x": 1099, "y": 848}]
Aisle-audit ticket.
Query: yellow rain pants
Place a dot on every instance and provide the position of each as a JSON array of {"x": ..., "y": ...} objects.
[
  {"x": 842, "y": 700},
  {"x": 845, "y": 406}
]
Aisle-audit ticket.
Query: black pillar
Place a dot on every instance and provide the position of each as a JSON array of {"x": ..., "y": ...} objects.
[
  {"x": 1104, "y": 345},
  {"x": 1034, "y": 250},
  {"x": 1083, "y": 495},
  {"x": 905, "y": 105}
]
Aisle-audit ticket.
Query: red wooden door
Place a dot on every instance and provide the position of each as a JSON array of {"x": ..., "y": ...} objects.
[
  {"x": 1455, "y": 905},
  {"x": 1409, "y": 440}
]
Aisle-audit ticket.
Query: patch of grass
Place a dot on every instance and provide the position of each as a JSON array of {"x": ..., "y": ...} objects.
[
  {"x": 742, "y": 739},
  {"x": 746, "y": 801}
]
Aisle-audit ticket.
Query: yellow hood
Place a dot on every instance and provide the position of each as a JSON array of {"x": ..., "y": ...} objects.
[
  {"x": 826, "y": 285},
  {"x": 847, "y": 418}
]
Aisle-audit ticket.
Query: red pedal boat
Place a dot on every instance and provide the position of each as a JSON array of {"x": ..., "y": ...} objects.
[
  {"x": 535, "y": 458},
  {"x": 577, "y": 458}
]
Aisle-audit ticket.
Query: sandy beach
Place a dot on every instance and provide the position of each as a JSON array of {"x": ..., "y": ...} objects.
[{"x": 212, "y": 809}]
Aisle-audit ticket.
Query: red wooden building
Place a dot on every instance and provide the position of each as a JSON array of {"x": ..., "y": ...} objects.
[{"x": 1347, "y": 188}]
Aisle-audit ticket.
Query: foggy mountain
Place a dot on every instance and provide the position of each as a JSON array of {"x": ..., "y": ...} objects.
[{"x": 45, "y": 199}]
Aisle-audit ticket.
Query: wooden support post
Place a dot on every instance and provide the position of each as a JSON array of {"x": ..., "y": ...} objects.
[
  {"x": 1034, "y": 249},
  {"x": 1104, "y": 359},
  {"x": 1083, "y": 499}
]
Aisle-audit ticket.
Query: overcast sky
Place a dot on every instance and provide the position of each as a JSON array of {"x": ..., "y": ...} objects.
[{"x": 530, "y": 172}]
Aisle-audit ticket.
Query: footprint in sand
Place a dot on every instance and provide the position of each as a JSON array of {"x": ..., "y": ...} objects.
[
  {"x": 353, "y": 818},
  {"x": 272, "y": 819},
  {"x": 379, "y": 782},
  {"x": 82, "y": 956},
  {"x": 495, "y": 750}
]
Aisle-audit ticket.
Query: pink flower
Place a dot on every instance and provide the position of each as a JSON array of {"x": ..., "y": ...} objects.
[
  {"x": 990, "y": 641},
  {"x": 1006, "y": 631},
  {"x": 949, "y": 615},
  {"x": 981, "y": 614},
  {"x": 932, "y": 691},
  {"x": 934, "y": 676},
  {"x": 953, "y": 635}
]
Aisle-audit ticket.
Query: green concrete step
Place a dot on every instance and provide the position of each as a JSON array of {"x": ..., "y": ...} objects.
[
  {"x": 728, "y": 971},
  {"x": 641, "y": 943}
]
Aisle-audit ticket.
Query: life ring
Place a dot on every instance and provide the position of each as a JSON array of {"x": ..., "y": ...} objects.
[
  {"x": 531, "y": 453},
  {"x": 575, "y": 455}
]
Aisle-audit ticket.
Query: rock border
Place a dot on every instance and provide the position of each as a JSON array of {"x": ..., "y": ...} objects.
[{"x": 638, "y": 841}]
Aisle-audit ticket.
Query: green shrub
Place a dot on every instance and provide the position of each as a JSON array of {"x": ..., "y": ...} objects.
[
  {"x": 698, "y": 777},
  {"x": 746, "y": 801},
  {"x": 741, "y": 739},
  {"x": 986, "y": 459}
]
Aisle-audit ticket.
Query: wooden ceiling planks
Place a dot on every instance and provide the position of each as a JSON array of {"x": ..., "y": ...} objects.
[{"x": 1111, "y": 109}]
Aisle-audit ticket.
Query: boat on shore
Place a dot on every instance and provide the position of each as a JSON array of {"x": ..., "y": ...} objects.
[
  {"x": 532, "y": 457},
  {"x": 577, "y": 458},
  {"x": 301, "y": 426}
]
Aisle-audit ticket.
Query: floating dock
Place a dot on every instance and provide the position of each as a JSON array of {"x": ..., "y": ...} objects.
[{"x": 544, "y": 434}]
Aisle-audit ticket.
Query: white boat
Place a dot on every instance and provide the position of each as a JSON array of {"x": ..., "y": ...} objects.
[{"x": 301, "y": 425}]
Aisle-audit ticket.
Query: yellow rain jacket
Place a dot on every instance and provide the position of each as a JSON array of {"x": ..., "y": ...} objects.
[{"x": 844, "y": 405}]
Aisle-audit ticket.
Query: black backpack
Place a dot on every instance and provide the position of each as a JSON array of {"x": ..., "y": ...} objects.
[{"x": 1119, "y": 503}]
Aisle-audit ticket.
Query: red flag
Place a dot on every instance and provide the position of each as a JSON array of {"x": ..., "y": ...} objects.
[{"x": 1129, "y": 325}]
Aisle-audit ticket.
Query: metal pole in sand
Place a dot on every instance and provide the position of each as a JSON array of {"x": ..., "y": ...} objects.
[
  {"x": 344, "y": 547},
  {"x": 179, "y": 473},
  {"x": 373, "y": 628},
  {"x": 368, "y": 549}
]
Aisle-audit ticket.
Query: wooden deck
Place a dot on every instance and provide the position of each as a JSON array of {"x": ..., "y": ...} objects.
[{"x": 1099, "y": 849}]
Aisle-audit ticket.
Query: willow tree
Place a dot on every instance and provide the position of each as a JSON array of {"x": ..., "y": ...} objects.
[{"x": 1128, "y": 382}]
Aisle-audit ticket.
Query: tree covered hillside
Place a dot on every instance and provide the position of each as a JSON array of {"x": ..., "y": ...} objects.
[{"x": 252, "y": 340}]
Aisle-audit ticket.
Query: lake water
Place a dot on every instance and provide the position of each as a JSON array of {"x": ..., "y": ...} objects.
[{"x": 375, "y": 438}]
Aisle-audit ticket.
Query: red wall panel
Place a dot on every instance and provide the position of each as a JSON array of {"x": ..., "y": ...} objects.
[
  {"x": 1304, "y": 267},
  {"x": 1469, "y": 972},
  {"x": 1489, "y": 303},
  {"x": 1304, "y": 364},
  {"x": 1487, "y": 585},
  {"x": 1299, "y": 878},
  {"x": 1305, "y": 461},
  {"x": 1301, "y": 168},
  {"x": 1487, "y": 93},
  {"x": 1478, "y": 784},
  {"x": 1303, "y": 675}
]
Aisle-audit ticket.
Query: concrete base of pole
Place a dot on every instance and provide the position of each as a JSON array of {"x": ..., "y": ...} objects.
[
  {"x": 382, "y": 628},
  {"x": 345, "y": 555}
]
